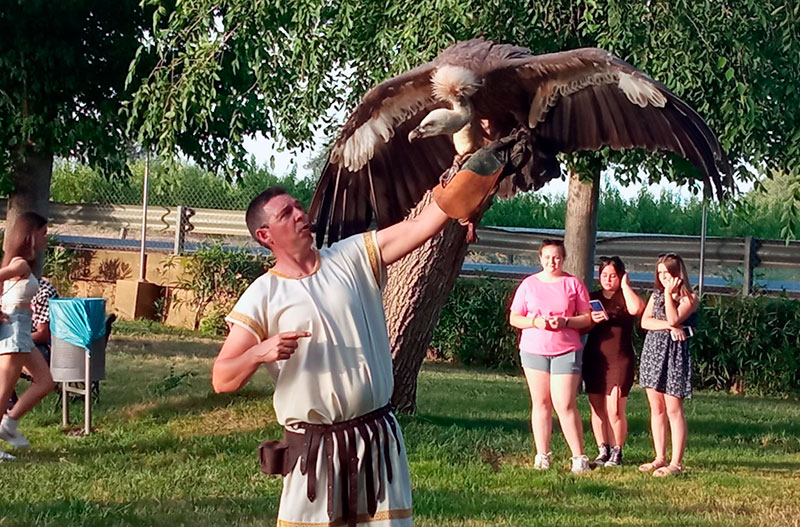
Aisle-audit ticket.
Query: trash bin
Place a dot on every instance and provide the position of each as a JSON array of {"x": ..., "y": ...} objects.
[
  {"x": 77, "y": 326},
  {"x": 78, "y": 347}
]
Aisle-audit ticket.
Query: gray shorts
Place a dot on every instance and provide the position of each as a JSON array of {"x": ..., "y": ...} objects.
[{"x": 563, "y": 364}]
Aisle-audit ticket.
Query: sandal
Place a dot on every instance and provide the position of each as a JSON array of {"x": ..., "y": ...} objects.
[
  {"x": 669, "y": 470},
  {"x": 653, "y": 465}
]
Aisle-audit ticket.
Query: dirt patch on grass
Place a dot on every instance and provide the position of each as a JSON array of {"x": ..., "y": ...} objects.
[{"x": 224, "y": 421}]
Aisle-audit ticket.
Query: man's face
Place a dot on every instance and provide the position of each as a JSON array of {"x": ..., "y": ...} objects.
[{"x": 286, "y": 223}]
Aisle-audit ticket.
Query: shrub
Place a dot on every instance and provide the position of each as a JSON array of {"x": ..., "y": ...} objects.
[
  {"x": 748, "y": 343},
  {"x": 473, "y": 328},
  {"x": 217, "y": 276},
  {"x": 61, "y": 264}
]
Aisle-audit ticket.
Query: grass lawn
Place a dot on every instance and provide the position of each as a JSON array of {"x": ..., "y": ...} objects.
[{"x": 169, "y": 452}]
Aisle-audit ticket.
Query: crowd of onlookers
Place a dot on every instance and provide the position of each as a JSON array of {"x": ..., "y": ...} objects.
[{"x": 568, "y": 335}]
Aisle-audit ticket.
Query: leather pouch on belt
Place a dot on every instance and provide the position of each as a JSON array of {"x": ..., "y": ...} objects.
[
  {"x": 273, "y": 456},
  {"x": 463, "y": 196},
  {"x": 280, "y": 457}
]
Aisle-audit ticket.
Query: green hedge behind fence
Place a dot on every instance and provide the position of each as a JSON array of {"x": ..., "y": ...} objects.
[{"x": 749, "y": 344}]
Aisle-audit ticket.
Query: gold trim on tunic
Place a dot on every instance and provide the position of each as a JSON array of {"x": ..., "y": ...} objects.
[
  {"x": 374, "y": 260},
  {"x": 247, "y": 322},
  {"x": 316, "y": 268},
  {"x": 380, "y": 516}
]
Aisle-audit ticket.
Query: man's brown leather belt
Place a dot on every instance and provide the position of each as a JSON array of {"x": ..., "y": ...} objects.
[{"x": 280, "y": 457}]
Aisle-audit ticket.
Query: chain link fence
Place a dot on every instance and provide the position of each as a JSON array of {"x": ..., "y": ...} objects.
[{"x": 171, "y": 185}]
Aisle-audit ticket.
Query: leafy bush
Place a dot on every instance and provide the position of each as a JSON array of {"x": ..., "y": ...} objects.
[
  {"x": 473, "y": 328},
  {"x": 61, "y": 265},
  {"x": 743, "y": 344},
  {"x": 217, "y": 276},
  {"x": 748, "y": 343}
]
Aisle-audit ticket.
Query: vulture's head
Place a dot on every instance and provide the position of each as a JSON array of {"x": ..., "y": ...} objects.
[
  {"x": 454, "y": 85},
  {"x": 441, "y": 121}
]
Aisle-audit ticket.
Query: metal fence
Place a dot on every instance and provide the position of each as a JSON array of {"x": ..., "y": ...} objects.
[{"x": 738, "y": 263}]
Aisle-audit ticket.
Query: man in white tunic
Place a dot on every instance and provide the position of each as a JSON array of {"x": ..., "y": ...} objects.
[{"x": 316, "y": 320}]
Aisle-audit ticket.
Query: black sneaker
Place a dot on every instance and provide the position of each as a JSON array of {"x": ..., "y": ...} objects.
[
  {"x": 602, "y": 455},
  {"x": 615, "y": 457}
]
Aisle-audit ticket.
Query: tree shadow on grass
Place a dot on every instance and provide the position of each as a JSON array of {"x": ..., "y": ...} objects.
[
  {"x": 505, "y": 425},
  {"x": 199, "y": 447},
  {"x": 710, "y": 432},
  {"x": 475, "y": 507},
  {"x": 187, "y": 405},
  {"x": 164, "y": 348},
  {"x": 200, "y": 512}
]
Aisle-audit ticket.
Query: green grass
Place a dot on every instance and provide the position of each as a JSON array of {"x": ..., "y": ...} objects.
[{"x": 185, "y": 456}]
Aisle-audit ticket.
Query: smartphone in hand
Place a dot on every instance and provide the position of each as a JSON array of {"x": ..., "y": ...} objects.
[{"x": 596, "y": 305}]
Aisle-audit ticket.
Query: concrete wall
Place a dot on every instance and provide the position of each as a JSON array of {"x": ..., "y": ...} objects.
[{"x": 101, "y": 269}]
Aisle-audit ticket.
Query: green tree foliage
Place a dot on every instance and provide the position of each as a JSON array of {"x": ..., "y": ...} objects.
[
  {"x": 756, "y": 213},
  {"x": 64, "y": 66},
  {"x": 172, "y": 184},
  {"x": 231, "y": 68}
]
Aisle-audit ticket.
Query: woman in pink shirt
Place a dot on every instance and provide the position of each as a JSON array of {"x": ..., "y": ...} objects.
[{"x": 551, "y": 307}]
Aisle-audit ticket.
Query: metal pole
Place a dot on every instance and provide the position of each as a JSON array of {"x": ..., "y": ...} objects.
[
  {"x": 64, "y": 404},
  {"x": 703, "y": 248},
  {"x": 142, "y": 255},
  {"x": 87, "y": 395}
]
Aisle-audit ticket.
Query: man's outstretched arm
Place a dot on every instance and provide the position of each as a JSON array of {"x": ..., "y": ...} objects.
[{"x": 401, "y": 238}]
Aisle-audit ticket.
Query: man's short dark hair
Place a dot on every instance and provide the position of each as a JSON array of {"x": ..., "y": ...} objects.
[{"x": 255, "y": 217}]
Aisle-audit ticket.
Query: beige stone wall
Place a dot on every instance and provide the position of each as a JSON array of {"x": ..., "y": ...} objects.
[{"x": 102, "y": 269}]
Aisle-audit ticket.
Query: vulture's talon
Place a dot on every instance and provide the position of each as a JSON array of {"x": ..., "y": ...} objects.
[
  {"x": 447, "y": 175},
  {"x": 471, "y": 234}
]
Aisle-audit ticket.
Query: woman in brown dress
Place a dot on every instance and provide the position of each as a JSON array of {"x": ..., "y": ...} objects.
[{"x": 608, "y": 361}]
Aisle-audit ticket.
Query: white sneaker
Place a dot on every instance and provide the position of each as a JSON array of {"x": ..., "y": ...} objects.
[
  {"x": 9, "y": 432},
  {"x": 580, "y": 464},
  {"x": 542, "y": 461},
  {"x": 5, "y": 456}
]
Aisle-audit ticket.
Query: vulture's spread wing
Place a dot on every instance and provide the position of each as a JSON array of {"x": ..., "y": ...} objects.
[
  {"x": 586, "y": 99},
  {"x": 373, "y": 171}
]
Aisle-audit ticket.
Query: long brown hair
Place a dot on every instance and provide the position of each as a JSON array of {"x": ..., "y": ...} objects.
[
  {"x": 674, "y": 264},
  {"x": 21, "y": 240}
]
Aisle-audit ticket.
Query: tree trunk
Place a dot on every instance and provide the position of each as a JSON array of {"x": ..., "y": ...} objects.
[
  {"x": 580, "y": 226},
  {"x": 415, "y": 294},
  {"x": 31, "y": 190}
]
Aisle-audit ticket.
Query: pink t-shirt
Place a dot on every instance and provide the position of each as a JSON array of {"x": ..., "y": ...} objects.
[{"x": 566, "y": 297}]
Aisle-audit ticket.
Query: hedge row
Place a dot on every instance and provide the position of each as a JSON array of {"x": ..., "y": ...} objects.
[{"x": 743, "y": 344}]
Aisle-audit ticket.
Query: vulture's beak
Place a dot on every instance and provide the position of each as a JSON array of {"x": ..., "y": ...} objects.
[{"x": 413, "y": 135}]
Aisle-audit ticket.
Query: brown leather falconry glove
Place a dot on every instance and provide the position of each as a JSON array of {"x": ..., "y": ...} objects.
[{"x": 476, "y": 181}]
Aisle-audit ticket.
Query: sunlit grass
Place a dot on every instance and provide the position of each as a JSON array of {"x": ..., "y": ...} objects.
[{"x": 186, "y": 456}]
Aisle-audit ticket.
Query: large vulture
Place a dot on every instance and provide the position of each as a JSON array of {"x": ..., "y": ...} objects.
[{"x": 411, "y": 129}]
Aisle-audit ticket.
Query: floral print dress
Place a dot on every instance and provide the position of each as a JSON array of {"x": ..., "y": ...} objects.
[{"x": 666, "y": 364}]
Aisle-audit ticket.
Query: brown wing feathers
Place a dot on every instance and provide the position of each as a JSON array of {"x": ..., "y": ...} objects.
[
  {"x": 386, "y": 188},
  {"x": 602, "y": 115},
  {"x": 579, "y": 100}
]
